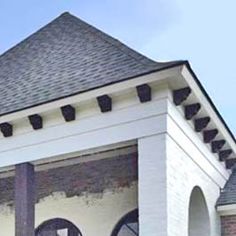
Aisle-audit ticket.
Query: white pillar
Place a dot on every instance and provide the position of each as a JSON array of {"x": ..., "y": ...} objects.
[{"x": 152, "y": 186}]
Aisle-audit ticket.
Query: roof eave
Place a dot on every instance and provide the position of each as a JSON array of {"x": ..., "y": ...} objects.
[
  {"x": 226, "y": 209},
  {"x": 187, "y": 64}
]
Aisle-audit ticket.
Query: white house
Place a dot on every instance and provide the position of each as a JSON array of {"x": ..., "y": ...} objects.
[{"x": 97, "y": 139}]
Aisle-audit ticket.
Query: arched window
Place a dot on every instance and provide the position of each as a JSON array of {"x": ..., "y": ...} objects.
[
  {"x": 199, "y": 222},
  {"x": 57, "y": 227},
  {"x": 128, "y": 225}
]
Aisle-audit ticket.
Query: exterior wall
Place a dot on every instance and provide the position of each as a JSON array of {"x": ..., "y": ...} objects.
[
  {"x": 94, "y": 214},
  {"x": 172, "y": 161},
  {"x": 183, "y": 176},
  {"x": 152, "y": 186},
  {"x": 228, "y": 225},
  {"x": 189, "y": 164},
  {"x": 91, "y": 129},
  {"x": 93, "y": 195}
]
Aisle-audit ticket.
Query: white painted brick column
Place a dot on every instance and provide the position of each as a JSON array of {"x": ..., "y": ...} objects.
[{"x": 152, "y": 186}]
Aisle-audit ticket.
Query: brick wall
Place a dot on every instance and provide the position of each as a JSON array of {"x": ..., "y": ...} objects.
[
  {"x": 228, "y": 225},
  {"x": 75, "y": 180},
  {"x": 183, "y": 176}
]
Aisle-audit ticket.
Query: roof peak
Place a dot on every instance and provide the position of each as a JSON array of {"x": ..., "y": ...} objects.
[
  {"x": 65, "y": 13},
  {"x": 67, "y": 17},
  {"x": 104, "y": 36},
  {"x": 66, "y": 57}
]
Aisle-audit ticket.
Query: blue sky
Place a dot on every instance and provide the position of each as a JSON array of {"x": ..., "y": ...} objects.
[{"x": 201, "y": 31}]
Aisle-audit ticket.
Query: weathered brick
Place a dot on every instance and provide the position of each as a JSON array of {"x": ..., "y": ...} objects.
[{"x": 74, "y": 180}]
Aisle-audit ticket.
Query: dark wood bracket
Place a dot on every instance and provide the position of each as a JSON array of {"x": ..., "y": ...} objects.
[
  {"x": 230, "y": 163},
  {"x": 209, "y": 135},
  {"x": 181, "y": 95},
  {"x": 36, "y": 121},
  {"x": 6, "y": 129},
  {"x": 217, "y": 145},
  {"x": 144, "y": 92},
  {"x": 224, "y": 154},
  {"x": 105, "y": 103},
  {"x": 201, "y": 123},
  {"x": 68, "y": 113},
  {"x": 191, "y": 110}
]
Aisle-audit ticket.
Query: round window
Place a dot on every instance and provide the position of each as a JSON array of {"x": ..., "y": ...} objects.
[
  {"x": 57, "y": 227},
  {"x": 128, "y": 225}
]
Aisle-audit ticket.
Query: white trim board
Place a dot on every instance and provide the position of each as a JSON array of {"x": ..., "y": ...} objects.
[{"x": 226, "y": 210}]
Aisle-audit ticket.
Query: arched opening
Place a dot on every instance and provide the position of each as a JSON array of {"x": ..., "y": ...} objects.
[
  {"x": 128, "y": 225},
  {"x": 57, "y": 227},
  {"x": 199, "y": 222}
]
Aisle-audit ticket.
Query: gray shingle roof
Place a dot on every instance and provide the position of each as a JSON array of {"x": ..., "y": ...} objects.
[
  {"x": 228, "y": 193},
  {"x": 66, "y": 57}
]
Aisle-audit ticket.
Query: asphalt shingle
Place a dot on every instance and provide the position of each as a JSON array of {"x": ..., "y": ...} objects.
[
  {"x": 66, "y": 57},
  {"x": 228, "y": 193}
]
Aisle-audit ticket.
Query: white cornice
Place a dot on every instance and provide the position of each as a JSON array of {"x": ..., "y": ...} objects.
[
  {"x": 89, "y": 118},
  {"x": 227, "y": 210},
  {"x": 92, "y": 94},
  {"x": 207, "y": 107}
]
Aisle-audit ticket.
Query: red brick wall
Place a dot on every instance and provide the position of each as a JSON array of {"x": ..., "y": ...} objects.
[
  {"x": 228, "y": 225},
  {"x": 74, "y": 180}
]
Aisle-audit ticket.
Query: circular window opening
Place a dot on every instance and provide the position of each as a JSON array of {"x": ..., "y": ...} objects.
[
  {"x": 128, "y": 225},
  {"x": 57, "y": 227}
]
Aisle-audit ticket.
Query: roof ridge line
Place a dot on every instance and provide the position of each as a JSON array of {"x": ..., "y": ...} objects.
[
  {"x": 33, "y": 73},
  {"x": 115, "y": 42},
  {"x": 32, "y": 34}
]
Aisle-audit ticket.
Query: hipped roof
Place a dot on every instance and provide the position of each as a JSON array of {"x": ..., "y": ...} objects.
[{"x": 64, "y": 58}]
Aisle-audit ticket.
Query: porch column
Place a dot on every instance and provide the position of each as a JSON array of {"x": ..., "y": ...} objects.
[
  {"x": 24, "y": 199},
  {"x": 152, "y": 185}
]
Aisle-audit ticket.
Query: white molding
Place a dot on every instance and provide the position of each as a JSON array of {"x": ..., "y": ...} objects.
[
  {"x": 94, "y": 132},
  {"x": 95, "y": 154},
  {"x": 129, "y": 120},
  {"x": 200, "y": 96},
  {"x": 226, "y": 210}
]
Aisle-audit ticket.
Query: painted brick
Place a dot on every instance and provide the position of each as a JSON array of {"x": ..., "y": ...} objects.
[{"x": 75, "y": 180}]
